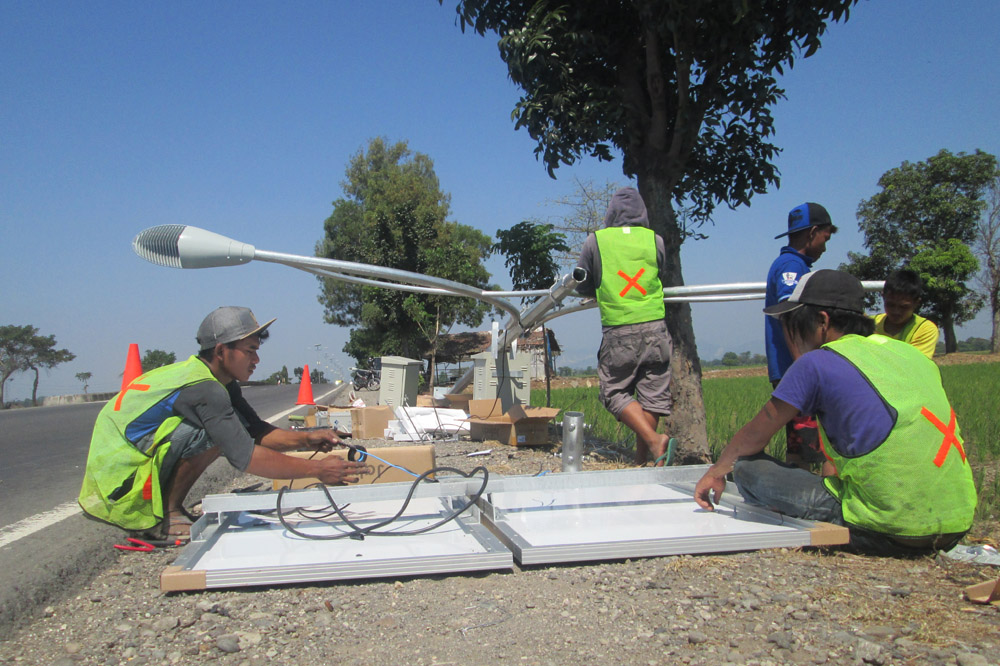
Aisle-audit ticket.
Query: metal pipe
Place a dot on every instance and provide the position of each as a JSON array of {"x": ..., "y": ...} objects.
[
  {"x": 334, "y": 268},
  {"x": 514, "y": 327},
  {"x": 572, "y": 448}
]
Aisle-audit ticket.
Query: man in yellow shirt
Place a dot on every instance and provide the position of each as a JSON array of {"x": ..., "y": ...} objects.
[{"x": 902, "y": 295}]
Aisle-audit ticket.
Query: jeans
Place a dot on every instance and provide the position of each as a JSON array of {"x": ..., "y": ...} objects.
[{"x": 789, "y": 490}]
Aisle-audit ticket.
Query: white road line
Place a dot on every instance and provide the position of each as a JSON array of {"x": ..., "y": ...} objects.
[
  {"x": 23, "y": 528},
  {"x": 285, "y": 413},
  {"x": 32, "y": 524}
]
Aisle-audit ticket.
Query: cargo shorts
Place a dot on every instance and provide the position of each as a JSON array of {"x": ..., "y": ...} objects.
[{"x": 633, "y": 363}]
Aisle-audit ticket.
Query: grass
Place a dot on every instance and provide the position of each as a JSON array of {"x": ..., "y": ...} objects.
[{"x": 974, "y": 392}]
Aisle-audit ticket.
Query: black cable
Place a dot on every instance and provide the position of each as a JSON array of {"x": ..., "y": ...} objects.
[{"x": 361, "y": 532}]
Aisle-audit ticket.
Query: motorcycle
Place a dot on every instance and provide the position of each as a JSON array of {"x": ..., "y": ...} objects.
[{"x": 365, "y": 379}]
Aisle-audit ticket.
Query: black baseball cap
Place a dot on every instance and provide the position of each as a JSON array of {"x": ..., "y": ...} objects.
[
  {"x": 825, "y": 288},
  {"x": 804, "y": 216}
]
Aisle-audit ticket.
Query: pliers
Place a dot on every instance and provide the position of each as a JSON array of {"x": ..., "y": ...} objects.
[{"x": 148, "y": 546}]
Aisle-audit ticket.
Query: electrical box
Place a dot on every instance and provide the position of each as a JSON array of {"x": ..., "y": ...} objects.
[
  {"x": 400, "y": 379},
  {"x": 508, "y": 377}
]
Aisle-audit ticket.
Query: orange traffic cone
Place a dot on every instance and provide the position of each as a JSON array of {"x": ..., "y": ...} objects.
[
  {"x": 133, "y": 366},
  {"x": 305, "y": 389}
]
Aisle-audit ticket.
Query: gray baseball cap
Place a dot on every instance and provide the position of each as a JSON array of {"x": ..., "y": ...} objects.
[{"x": 228, "y": 324}]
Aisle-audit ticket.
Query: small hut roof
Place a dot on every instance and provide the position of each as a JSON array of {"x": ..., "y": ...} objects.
[{"x": 461, "y": 346}]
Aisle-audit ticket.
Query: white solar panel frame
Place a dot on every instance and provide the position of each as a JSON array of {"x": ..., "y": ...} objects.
[{"x": 531, "y": 519}]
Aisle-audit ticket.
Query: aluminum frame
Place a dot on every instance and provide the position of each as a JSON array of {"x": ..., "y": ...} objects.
[
  {"x": 230, "y": 548},
  {"x": 490, "y": 535}
]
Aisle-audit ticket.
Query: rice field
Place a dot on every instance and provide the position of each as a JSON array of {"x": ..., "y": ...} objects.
[{"x": 974, "y": 391}]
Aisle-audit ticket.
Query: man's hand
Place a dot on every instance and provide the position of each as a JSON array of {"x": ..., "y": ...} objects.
[
  {"x": 334, "y": 471},
  {"x": 322, "y": 440},
  {"x": 713, "y": 483}
]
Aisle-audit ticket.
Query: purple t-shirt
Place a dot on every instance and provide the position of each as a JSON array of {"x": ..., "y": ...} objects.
[{"x": 824, "y": 384}]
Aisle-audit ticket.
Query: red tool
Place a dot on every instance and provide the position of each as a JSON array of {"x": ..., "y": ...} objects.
[{"x": 148, "y": 546}]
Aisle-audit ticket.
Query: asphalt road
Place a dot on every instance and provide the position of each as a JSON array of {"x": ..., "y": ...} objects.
[{"x": 47, "y": 546}]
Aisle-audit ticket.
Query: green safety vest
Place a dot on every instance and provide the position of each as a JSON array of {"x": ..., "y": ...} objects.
[
  {"x": 124, "y": 483},
  {"x": 917, "y": 483},
  {"x": 630, "y": 291}
]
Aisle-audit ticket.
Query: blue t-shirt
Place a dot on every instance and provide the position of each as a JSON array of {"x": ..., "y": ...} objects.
[
  {"x": 824, "y": 384},
  {"x": 781, "y": 280}
]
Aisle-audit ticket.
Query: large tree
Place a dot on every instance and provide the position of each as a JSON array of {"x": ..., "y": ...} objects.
[
  {"x": 23, "y": 349},
  {"x": 44, "y": 356},
  {"x": 924, "y": 208},
  {"x": 682, "y": 90},
  {"x": 15, "y": 348},
  {"x": 987, "y": 246},
  {"x": 529, "y": 248},
  {"x": 394, "y": 214},
  {"x": 945, "y": 269}
]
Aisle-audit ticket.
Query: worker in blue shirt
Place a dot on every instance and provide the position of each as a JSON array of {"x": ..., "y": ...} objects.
[{"x": 809, "y": 229}]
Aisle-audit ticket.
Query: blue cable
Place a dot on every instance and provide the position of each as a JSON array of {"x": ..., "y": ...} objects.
[{"x": 402, "y": 469}]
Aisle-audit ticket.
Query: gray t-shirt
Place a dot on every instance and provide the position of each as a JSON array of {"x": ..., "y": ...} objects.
[{"x": 225, "y": 417}]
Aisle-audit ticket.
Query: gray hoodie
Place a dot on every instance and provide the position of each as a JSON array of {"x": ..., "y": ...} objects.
[{"x": 626, "y": 210}]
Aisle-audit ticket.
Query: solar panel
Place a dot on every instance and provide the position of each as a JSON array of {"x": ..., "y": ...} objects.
[{"x": 586, "y": 516}]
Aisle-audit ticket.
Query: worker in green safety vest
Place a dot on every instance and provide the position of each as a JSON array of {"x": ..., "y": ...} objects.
[
  {"x": 624, "y": 261},
  {"x": 902, "y": 483},
  {"x": 153, "y": 440}
]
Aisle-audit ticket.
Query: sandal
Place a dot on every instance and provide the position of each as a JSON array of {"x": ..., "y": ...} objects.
[
  {"x": 178, "y": 525},
  {"x": 668, "y": 455}
]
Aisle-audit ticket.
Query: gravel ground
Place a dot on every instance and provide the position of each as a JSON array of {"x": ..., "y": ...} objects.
[{"x": 800, "y": 606}]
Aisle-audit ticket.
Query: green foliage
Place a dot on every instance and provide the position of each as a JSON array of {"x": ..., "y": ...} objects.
[
  {"x": 923, "y": 212},
  {"x": 281, "y": 376},
  {"x": 680, "y": 89},
  {"x": 925, "y": 202},
  {"x": 157, "y": 358},
  {"x": 528, "y": 247},
  {"x": 732, "y": 359},
  {"x": 15, "y": 348},
  {"x": 974, "y": 392},
  {"x": 945, "y": 268},
  {"x": 730, "y": 402},
  {"x": 394, "y": 214},
  {"x": 589, "y": 371},
  {"x": 84, "y": 378},
  {"x": 22, "y": 349}
]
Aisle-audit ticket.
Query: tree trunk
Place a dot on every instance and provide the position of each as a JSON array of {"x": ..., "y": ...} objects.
[
  {"x": 687, "y": 422},
  {"x": 950, "y": 342},
  {"x": 34, "y": 390},
  {"x": 995, "y": 337}
]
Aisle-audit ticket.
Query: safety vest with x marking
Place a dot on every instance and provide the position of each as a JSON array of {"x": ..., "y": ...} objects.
[
  {"x": 917, "y": 482},
  {"x": 630, "y": 290}
]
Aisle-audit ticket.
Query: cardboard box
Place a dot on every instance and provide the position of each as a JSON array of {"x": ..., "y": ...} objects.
[
  {"x": 458, "y": 400},
  {"x": 485, "y": 409},
  {"x": 417, "y": 459},
  {"x": 338, "y": 418},
  {"x": 520, "y": 426},
  {"x": 370, "y": 422}
]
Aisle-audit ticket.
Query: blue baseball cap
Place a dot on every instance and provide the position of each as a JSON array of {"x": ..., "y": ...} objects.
[{"x": 804, "y": 216}]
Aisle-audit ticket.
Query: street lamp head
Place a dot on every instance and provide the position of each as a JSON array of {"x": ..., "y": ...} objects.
[{"x": 182, "y": 246}]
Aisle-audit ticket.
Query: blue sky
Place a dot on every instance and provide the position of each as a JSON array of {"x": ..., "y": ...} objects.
[{"x": 240, "y": 118}]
